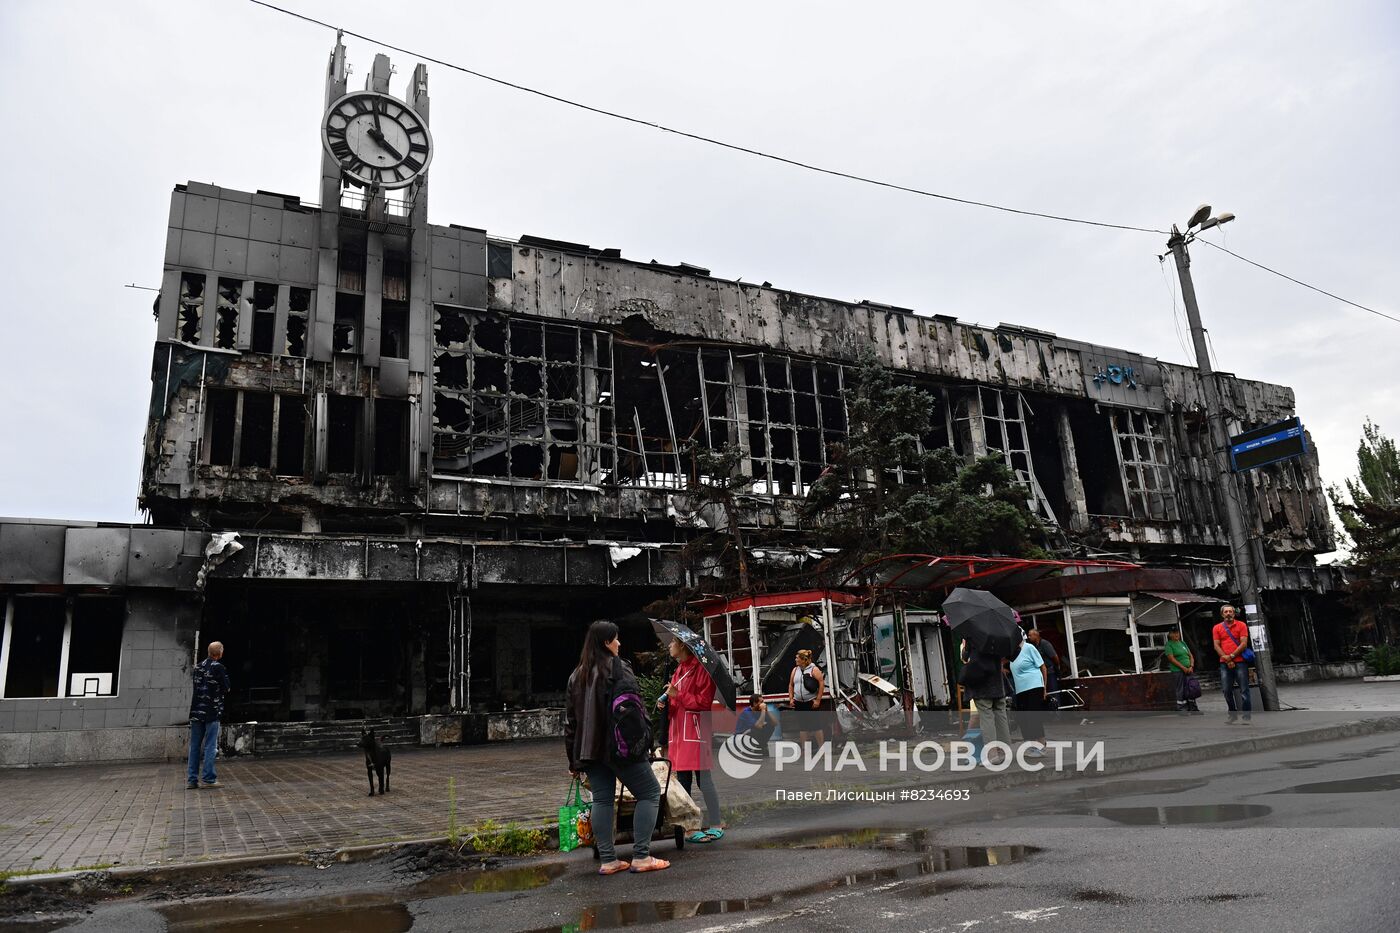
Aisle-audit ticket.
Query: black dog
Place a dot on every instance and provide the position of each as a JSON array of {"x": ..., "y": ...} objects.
[{"x": 377, "y": 759}]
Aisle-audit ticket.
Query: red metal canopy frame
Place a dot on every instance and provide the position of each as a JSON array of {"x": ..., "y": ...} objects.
[
  {"x": 932, "y": 572},
  {"x": 719, "y": 605}
]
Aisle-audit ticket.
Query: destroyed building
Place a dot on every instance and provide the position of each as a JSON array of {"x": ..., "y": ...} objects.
[{"x": 444, "y": 453}]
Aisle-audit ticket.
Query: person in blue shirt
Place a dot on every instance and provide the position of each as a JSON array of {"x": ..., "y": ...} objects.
[
  {"x": 1028, "y": 673},
  {"x": 757, "y": 718}
]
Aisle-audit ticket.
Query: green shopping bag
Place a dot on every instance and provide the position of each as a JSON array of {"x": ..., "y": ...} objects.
[{"x": 573, "y": 815}]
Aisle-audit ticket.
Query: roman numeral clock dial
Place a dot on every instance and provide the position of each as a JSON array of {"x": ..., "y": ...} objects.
[{"x": 378, "y": 141}]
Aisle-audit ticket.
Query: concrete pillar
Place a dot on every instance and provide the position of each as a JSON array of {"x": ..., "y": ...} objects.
[{"x": 1074, "y": 487}]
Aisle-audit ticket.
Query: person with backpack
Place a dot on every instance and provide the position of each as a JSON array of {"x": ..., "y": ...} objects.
[
  {"x": 206, "y": 709},
  {"x": 689, "y": 699},
  {"x": 1231, "y": 638},
  {"x": 607, "y": 737}
]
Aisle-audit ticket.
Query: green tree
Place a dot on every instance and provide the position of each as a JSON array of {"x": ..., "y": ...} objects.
[
  {"x": 943, "y": 505},
  {"x": 1370, "y": 514}
]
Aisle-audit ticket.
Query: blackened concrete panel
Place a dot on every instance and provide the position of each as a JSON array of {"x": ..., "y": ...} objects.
[
  {"x": 31, "y": 554},
  {"x": 95, "y": 556}
]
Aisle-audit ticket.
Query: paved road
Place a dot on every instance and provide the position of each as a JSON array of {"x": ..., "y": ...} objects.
[
  {"x": 1289, "y": 840},
  {"x": 140, "y": 814}
]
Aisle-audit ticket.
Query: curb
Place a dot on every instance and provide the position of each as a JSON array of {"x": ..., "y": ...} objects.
[{"x": 981, "y": 782}]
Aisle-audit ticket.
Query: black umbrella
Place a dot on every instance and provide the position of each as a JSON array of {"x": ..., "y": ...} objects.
[
  {"x": 985, "y": 621},
  {"x": 711, "y": 661}
]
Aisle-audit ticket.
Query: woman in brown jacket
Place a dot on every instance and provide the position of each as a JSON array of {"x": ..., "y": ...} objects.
[{"x": 588, "y": 740}]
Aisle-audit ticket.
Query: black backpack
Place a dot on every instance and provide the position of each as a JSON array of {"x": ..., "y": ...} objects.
[{"x": 627, "y": 717}]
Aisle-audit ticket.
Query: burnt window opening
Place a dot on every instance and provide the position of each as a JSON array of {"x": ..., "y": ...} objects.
[
  {"x": 1142, "y": 450},
  {"x": 226, "y": 320},
  {"x": 393, "y": 330},
  {"x": 34, "y": 640},
  {"x": 1043, "y": 430},
  {"x": 390, "y": 436},
  {"x": 451, "y": 328},
  {"x": 349, "y": 319},
  {"x": 395, "y": 276},
  {"x": 255, "y": 435},
  {"x": 264, "y": 317},
  {"x": 351, "y": 259},
  {"x": 291, "y": 436},
  {"x": 220, "y": 422},
  {"x": 95, "y": 645},
  {"x": 1098, "y": 465},
  {"x": 553, "y": 654},
  {"x": 190, "y": 310},
  {"x": 298, "y": 312},
  {"x": 343, "y": 433},
  {"x": 516, "y": 398}
]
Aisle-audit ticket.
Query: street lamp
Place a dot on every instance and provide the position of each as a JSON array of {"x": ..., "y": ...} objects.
[{"x": 1248, "y": 562}]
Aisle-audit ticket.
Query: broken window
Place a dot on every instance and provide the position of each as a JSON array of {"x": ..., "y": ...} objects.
[
  {"x": 298, "y": 311},
  {"x": 226, "y": 322},
  {"x": 191, "y": 307},
  {"x": 1098, "y": 466},
  {"x": 255, "y": 431},
  {"x": 220, "y": 423},
  {"x": 95, "y": 646},
  {"x": 264, "y": 317},
  {"x": 393, "y": 329},
  {"x": 343, "y": 434},
  {"x": 498, "y": 261},
  {"x": 349, "y": 319},
  {"x": 291, "y": 435},
  {"x": 390, "y": 436},
  {"x": 34, "y": 646},
  {"x": 1004, "y": 417},
  {"x": 520, "y": 398},
  {"x": 1142, "y": 452}
]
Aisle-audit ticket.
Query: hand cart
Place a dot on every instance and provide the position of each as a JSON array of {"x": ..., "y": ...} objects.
[{"x": 624, "y": 808}]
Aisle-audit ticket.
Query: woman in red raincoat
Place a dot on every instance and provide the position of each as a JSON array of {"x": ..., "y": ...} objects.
[{"x": 689, "y": 698}]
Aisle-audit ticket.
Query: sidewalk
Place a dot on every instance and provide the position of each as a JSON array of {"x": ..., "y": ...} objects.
[{"x": 141, "y": 814}]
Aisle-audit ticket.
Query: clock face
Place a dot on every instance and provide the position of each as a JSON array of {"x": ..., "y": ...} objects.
[{"x": 377, "y": 140}]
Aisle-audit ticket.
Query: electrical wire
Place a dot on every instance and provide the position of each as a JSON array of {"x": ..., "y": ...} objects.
[
  {"x": 796, "y": 163},
  {"x": 708, "y": 140},
  {"x": 1321, "y": 291},
  {"x": 1176, "y": 315}
]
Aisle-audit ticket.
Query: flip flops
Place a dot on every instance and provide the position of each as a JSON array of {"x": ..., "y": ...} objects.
[
  {"x": 620, "y": 866},
  {"x": 656, "y": 864},
  {"x": 700, "y": 837}
]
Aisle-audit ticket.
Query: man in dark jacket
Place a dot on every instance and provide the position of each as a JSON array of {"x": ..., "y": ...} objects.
[{"x": 206, "y": 709}]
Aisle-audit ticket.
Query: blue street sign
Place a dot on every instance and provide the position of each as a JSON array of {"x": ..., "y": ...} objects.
[{"x": 1269, "y": 444}]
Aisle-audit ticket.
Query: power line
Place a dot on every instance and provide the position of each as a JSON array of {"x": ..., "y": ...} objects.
[
  {"x": 734, "y": 147},
  {"x": 796, "y": 163},
  {"x": 1321, "y": 291}
]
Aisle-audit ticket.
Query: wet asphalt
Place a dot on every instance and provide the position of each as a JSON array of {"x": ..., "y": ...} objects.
[{"x": 1304, "y": 839}]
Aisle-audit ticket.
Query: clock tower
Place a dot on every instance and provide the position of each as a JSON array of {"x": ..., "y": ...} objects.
[{"x": 373, "y": 257}]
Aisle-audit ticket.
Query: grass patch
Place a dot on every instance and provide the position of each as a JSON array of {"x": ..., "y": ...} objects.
[{"x": 490, "y": 838}]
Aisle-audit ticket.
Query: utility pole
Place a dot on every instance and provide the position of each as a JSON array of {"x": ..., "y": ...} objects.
[{"x": 1247, "y": 564}]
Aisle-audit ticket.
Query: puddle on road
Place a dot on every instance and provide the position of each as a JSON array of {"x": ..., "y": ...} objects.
[
  {"x": 933, "y": 860},
  {"x": 1361, "y": 785},
  {"x": 353, "y": 914},
  {"x": 1202, "y": 814},
  {"x": 381, "y": 912},
  {"x": 490, "y": 881}
]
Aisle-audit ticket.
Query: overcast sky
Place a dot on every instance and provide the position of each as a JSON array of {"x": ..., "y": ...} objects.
[{"x": 1287, "y": 114}]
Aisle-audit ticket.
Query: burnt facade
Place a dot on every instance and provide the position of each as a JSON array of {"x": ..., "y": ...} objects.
[{"x": 443, "y": 452}]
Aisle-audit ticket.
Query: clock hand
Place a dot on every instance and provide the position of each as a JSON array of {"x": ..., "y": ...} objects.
[{"x": 385, "y": 144}]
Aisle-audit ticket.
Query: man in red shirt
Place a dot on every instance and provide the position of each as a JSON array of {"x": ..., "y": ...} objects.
[{"x": 1231, "y": 639}]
